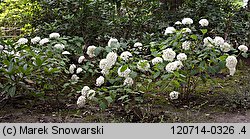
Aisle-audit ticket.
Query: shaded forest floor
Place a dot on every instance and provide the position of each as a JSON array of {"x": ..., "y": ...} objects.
[{"x": 228, "y": 102}]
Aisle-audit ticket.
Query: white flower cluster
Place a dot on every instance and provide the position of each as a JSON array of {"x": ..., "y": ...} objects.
[
  {"x": 86, "y": 93},
  {"x": 182, "y": 57},
  {"x": 208, "y": 42},
  {"x": 243, "y": 48},
  {"x": 74, "y": 77},
  {"x": 143, "y": 65},
  {"x": 168, "y": 54},
  {"x": 128, "y": 81},
  {"x": 203, "y": 22},
  {"x": 231, "y": 63},
  {"x": 54, "y": 35},
  {"x": 80, "y": 59},
  {"x": 66, "y": 53},
  {"x": 124, "y": 73},
  {"x": 178, "y": 23},
  {"x": 174, "y": 95},
  {"x": 72, "y": 68},
  {"x": 157, "y": 60},
  {"x": 35, "y": 40},
  {"x": 138, "y": 44},
  {"x": 99, "y": 81},
  {"x": 186, "y": 45},
  {"x": 107, "y": 63},
  {"x": 125, "y": 55},
  {"x": 91, "y": 51},
  {"x": 43, "y": 41},
  {"x": 1, "y": 47},
  {"x": 113, "y": 42},
  {"x": 186, "y": 30},
  {"x": 22, "y": 41},
  {"x": 169, "y": 30},
  {"x": 217, "y": 42},
  {"x": 187, "y": 21},
  {"x": 59, "y": 46},
  {"x": 172, "y": 66}
]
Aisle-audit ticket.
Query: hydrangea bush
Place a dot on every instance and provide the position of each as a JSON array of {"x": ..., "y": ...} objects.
[{"x": 174, "y": 65}]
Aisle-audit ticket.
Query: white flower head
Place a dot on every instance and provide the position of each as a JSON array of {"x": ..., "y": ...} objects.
[
  {"x": 74, "y": 77},
  {"x": 178, "y": 23},
  {"x": 169, "y": 30},
  {"x": 170, "y": 67},
  {"x": 43, "y": 41},
  {"x": 91, "y": 94},
  {"x": 22, "y": 41},
  {"x": 81, "y": 101},
  {"x": 111, "y": 58},
  {"x": 80, "y": 59},
  {"x": 231, "y": 63},
  {"x": 208, "y": 42},
  {"x": 186, "y": 45},
  {"x": 124, "y": 73},
  {"x": 225, "y": 47},
  {"x": 103, "y": 64},
  {"x": 1, "y": 47},
  {"x": 79, "y": 70},
  {"x": 157, "y": 60},
  {"x": 100, "y": 81},
  {"x": 138, "y": 44},
  {"x": 218, "y": 41},
  {"x": 174, "y": 95},
  {"x": 35, "y": 40},
  {"x": 186, "y": 30},
  {"x": 128, "y": 81},
  {"x": 125, "y": 55},
  {"x": 203, "y": 22},
  {"x": 105, "y": 71},
  {"x": 72, "y": 68},
  {"x": 243, "y": 48},
  {"x": 85, "y": 90},
  {"x": 181, "y": 57},
  {"x": 143, "y": 65},
  {"x": 187, "y": 21},
  {"x": 59, "y": 46},
  {"x": 91, "y": 51},
  {"x": 113, "y": 42},
  {"x": 168, "y": 54},
  {"x": 66, "y": 53},
  {"x": 54, "y": 35}
]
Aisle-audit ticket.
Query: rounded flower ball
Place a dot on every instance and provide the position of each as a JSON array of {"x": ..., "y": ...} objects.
[
  {"x": 168, "y": 54},
  {"x": 111, "y": 58},
  {"x": 218, "y": 40},
  {"x": 124, "y": 73},
  {"x": 208, "y": 41},
  {"x": 85, "y": 90},
  {"x": 100, "y": 81},
  {"x": 128, "y": 81},
  {"x": 103, "y": 64},
  {"x": 79, "y": 70},
  {"x": 178, "y": 23},
  {"x": 187, "y": 21},
  {"x": 226, "y": 47},
  {"x": 231, "y": 63},
  {"x": 174, "y": 95},
  {"x": 80, "y": 59},
  {"x": 113, "y": 42},
  {"x": 54, "y": 35},
  {"x": 59, "y": 46},
  {"x": 143, "y": 65},
  {"x": 125, "y": 55},
  {"x": 157, "y": 60},
  {"x": 81, "y": 101},
  {"x": 66, "y": 53},
  {"x": 43, "y": 41},
  {"x": 186, "y": 45},
  {"x": 243, "y": 48},
  {"x": 91, "y": 51},
  {"x": 169, "y": 30},
  {"x": 182, "y": 57},
  {"x": 74, "y": 77},
  {"x": 72, "y": 68},
  {"x": 35, "y": 40},
  {"x": 22, "y": 41},
  {"x": 1, "y": 47},
  {"x": 203, "y": 22},
  {"x": 138, "y": 44}
]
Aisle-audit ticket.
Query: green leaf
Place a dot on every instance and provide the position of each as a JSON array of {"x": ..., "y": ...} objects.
[
  {"x": 204, "y": 31},
  {"x": 109, "y": 99},
  {"x": 123, "y": 97},
  {"x": 12, "y": 91},
  {"x": 123, "y": 68},
  {"x": 157, "y": 74},
  {"x": 194, "y": 37}
]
